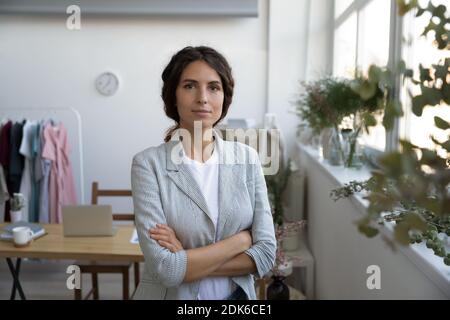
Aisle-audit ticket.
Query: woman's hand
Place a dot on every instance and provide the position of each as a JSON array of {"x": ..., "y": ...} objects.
[{"x": 166, "y": 237}]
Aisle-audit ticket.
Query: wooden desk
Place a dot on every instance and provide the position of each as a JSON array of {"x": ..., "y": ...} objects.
[{"x": 55, "y": 246}]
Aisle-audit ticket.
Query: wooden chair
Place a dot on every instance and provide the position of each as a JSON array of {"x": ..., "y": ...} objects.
[{"x": 96, "y": 267}]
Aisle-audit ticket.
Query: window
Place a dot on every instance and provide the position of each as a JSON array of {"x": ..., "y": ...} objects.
[
  {"x": 373, "y": 48},
  {"x": 362, "y": 38},
  {"x": 373, "y": 39},
  {"x": 345, "y": 48},
  {"x": 420, "y": 51},
  {"x": 341, "y": 6}
]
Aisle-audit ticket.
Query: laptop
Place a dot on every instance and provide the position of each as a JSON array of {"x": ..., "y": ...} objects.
[{"x": 88, "y": 221}]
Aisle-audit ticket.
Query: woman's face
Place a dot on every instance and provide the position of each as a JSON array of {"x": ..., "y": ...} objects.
[{"x": 199, "y": 95}]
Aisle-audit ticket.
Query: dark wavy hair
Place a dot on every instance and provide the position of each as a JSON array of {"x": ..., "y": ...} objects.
[{"x": 172, "y": 73}]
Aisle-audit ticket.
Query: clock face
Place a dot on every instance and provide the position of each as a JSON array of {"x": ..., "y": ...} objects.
[{"x": 107, "y": 83}]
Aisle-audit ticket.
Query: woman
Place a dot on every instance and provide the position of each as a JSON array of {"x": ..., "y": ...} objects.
[{"x": 201, "y": 207}]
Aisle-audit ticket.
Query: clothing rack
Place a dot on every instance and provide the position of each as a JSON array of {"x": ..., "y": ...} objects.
[{"x": 71, "y": 119}]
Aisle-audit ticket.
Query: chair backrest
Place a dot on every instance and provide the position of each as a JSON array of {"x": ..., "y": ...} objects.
[{"x": 96, "y": 193}]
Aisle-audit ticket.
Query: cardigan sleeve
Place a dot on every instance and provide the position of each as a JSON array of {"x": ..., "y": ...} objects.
[
  {"x": 169, "y": 267},
  {"x": 263, "y": 250}
]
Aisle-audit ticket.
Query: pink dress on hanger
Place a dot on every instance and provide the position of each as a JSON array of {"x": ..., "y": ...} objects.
[{"x": 61, "y": 183}]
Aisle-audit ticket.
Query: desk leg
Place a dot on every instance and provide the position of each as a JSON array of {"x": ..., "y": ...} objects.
[{"x": 16, "y": 282}]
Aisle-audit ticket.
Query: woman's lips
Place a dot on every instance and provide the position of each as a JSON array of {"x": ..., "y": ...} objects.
[{"x": 202, "y": 112}]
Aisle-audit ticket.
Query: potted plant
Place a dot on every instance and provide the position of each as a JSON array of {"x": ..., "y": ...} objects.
[
  {"x": 278, "y": 290},
  {"x": 17, "y": 202},
  {"x": 412, "y": 187},
  {"x": 326, "y": 102},
  {"x": 276, "y": 186}
]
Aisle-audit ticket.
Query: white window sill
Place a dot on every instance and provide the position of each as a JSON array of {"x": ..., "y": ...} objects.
[{"x": 422, "y": 257}]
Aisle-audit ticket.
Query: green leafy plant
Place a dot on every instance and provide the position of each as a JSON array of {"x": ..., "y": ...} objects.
[
  {"x": 411, "y": 189},
  {"x": 377, "y": 88},
  {"x": 276, "y": 186},
  {"x": 413, "y": 222},
  {"x": 326, "y": 102}
]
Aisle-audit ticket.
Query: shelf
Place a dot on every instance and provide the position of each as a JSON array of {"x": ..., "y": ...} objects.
[{"x": 303, "y": 252}]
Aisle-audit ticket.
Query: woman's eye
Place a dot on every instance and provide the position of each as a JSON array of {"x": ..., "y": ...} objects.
[
  {"x": 215, "y": 88},
  {"x": 188, "y": 86}
]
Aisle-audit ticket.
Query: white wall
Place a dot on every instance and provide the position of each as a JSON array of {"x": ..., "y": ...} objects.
[
  {"x": 320, "y": 39},
  {"x": 44, "y": 64},
  {"x": 288, "y": 25},
  {"x": 299, "y": 49}
]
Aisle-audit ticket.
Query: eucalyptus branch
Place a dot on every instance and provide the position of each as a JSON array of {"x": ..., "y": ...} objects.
[
  {"x": 413, "y": 223},
  {"x": 349, "y": 189}
]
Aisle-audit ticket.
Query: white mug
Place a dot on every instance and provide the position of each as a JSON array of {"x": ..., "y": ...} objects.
[{"x": 22, "y": 236}]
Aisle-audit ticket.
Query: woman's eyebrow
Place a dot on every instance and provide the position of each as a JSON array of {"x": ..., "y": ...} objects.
[{"x": 195, "y": 81}]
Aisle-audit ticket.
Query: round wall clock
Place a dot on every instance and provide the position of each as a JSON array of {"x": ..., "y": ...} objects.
[{"x": 107, "y": 83}]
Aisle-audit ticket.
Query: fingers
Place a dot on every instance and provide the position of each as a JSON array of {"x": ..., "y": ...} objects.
[
  {"x": 160, "y": 237},
  {"x": 167, "y": 245},
  {"x": 166, "y": 237},
  {"x": 159, "y": 231},
  {"x": 165, "y": 227},
  {"x": 159, "y": 234}
]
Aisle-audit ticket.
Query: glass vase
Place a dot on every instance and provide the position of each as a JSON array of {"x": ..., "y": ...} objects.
[
  {"x": 325, "y": 142},
  {"x": 351, "y": 148},
  {"x": 335, "y": 152}
]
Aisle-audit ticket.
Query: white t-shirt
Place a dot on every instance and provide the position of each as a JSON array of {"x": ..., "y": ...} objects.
[{"x": 207, "y": 177}]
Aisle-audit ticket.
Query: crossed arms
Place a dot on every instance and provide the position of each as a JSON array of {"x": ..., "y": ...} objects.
[
  {"x": 240, "y": 254},
  {"x": 223, "y": 258}
]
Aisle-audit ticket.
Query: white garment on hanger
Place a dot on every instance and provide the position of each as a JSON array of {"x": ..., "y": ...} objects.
[
  {"x": 25, "y": 183},
  {"x": 43, "y": 167}
]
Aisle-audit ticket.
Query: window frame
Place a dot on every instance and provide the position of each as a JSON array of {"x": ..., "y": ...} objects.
[{"x": 395, "y": 56}]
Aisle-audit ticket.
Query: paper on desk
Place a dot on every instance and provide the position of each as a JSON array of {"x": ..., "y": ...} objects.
[{"x": 134, "y": 237}]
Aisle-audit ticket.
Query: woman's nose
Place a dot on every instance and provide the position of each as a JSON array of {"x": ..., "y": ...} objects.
[{"x": 202, "y": 97}]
